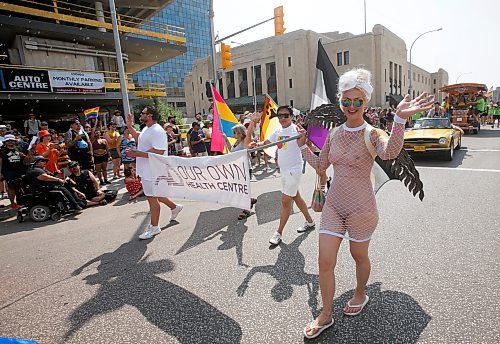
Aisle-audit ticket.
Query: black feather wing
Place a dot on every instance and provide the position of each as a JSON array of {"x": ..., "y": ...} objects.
[
  {"x": 326, "y": 116},
  {"x": 403, "y": 168}
]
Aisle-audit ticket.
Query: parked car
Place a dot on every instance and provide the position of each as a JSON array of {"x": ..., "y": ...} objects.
[{"x": 433, "y": 136}]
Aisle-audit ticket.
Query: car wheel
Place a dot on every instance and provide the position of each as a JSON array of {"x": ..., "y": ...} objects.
[
  {"x": 39, "y": 213},
  {"x": 56, "y": 216},
  {"x": 449, "y": 153},
  {"x": 459, "y": 142}
]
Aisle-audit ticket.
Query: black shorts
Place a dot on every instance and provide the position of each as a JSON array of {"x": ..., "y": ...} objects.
[
  {"x": 10, "y": 176},
  {"x": 99, "y": 159},
  {"x": 113, "y": 152}
]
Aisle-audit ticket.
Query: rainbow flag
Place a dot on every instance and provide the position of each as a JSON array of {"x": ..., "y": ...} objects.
[
  {"x": 91, "y": 113},
  {"x": 223, "y": 121},
  {"x": 269, "y": 123}
]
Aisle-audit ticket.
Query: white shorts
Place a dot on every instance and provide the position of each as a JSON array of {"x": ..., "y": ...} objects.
[
  {"x": 147, "y": 187},
  {"x": 290, "y": 181}
]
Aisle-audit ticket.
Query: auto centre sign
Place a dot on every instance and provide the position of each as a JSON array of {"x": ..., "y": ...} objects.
[
  {"x": 76, "y": 82},
  {"x": 24, "y": 80},
  {"x": 50, "y": 81}
]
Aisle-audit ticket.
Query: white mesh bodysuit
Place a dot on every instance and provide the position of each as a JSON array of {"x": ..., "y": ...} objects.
[{"x": 350, "y": 206}]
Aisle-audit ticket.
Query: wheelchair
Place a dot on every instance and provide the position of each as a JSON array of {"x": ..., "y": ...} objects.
[{"x": 40, "y": 204}]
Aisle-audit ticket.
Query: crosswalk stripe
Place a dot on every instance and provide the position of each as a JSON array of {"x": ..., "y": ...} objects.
[{"x": 458, "y": 169}]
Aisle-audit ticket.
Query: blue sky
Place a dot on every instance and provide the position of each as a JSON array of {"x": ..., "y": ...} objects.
[{"x": 468, "y": 47}]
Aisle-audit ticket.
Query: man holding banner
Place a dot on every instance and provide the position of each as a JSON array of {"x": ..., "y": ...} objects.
[
  {"x": 290, "y": 160},
  {"x": 152, "y": 139}
]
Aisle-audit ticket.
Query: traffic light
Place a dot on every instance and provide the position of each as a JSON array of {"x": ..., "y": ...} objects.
[
  {"x": 278, "y": 21},
  {"x": 225, "y": 54}
]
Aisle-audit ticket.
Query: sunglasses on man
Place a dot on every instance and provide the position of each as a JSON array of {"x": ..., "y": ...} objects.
[{"x": 356, "y": 102}]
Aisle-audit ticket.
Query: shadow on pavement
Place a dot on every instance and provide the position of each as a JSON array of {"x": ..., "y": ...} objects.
[
  {"x": 126, "y": 277},
  {"x": 268, "y": 207},
  {"x": 288, "y": 272},
  {"x": 211, "y": 224},
  {"x": 436, "y": 160},
  {"x": 389, "y": 317}
]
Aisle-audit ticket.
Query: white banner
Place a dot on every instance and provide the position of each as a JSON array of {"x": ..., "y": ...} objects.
[
  {"x": 76, "y": 82},
  {"x": 223, "y": 179}
]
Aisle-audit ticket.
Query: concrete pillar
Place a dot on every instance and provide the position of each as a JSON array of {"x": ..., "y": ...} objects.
[
  {"x": 263, "y": 74},
  {"x": 224, "y": 85},
  {"x": 236, "y": 84},
  {"x": 99, "y": 13}
]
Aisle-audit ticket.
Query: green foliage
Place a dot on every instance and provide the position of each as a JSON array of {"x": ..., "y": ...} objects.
[{"x": 166, "y": 111}]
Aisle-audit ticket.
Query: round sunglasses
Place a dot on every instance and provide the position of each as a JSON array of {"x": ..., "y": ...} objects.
[{"x": 357, "y": 102}]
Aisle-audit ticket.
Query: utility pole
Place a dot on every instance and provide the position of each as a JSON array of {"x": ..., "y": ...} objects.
[
  {"x": 119, "y": 58},
  {"x": 214, "y": 64}
]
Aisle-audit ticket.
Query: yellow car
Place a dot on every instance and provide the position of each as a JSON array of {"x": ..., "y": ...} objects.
[{"x": 433, "y": 135}]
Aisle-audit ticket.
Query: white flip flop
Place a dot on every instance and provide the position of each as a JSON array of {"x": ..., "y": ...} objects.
[
  {"x": 361, "y": 306},
  {"x": 320, "y": 329}
]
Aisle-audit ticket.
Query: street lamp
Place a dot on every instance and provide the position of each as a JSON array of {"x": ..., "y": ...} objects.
[
  {"x": 162, "y": 79},
  {"x": 411, "y": 76},
  {"x": 253, "y": 79},
  {"x": 458, "y": 77}
]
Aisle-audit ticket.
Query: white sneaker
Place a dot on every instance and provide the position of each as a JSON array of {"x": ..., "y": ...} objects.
[
  {"x": 176, "y": 211},
  {"x": 150, "y": 232},
  {"x": 307, "y": 226},
  {"x": 275, "y": 239}
]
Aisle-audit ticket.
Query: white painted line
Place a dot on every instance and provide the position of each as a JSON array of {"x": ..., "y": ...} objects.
[
  {"x": 482, "y": 150},
  {"x": 458, "y": 169}
]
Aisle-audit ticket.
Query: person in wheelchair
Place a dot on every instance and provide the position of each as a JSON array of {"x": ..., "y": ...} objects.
[
  {"x": 40, "y": 179},
  {"x": 85, "y": 185}
]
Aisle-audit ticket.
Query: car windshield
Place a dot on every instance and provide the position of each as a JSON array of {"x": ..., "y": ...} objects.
[{"x": 432, "y": 123}]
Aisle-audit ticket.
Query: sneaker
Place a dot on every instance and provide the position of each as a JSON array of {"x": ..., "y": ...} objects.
[
  {"x": 176, "y": 211},
  {"x": 307, "y": 226},
  {"x": 150, "y": 232},
  {"x": 275, "y": 239}
]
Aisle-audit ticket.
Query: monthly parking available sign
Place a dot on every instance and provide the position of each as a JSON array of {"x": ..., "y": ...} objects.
[
  {"x": 76, "y": 82},
  {"x": 24, "y": 80}
]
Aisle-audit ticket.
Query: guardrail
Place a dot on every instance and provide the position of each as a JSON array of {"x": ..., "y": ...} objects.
[{"x": 63, "y": 11}]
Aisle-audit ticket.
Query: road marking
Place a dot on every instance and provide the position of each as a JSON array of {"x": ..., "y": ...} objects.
[
  {"x": 483, "y": 150},
  {"x": 459, "y": 169}
]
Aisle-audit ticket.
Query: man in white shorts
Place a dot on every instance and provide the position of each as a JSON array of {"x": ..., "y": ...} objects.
[
  {"x": 152, "y": 139},
  {"x": 290, "y": 160}
]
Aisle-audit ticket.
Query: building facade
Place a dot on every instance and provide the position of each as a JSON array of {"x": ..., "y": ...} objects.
[
  {"x": 192, "y": 15},
  {"x": 285, "y": 69},
  {"x": 58, "y": 57}
]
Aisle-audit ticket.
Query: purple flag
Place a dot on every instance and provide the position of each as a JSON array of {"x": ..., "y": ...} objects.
[{"x": 317, "y": 135}]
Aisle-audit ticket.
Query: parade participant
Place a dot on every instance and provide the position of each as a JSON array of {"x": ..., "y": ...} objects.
[
  {"x": 79, "y": 145},
  {"x": 113, "y": 137},
  {"x": 290, "y": 163},
  {"x": 243, "y": 139},
  {"x": 152, "y": 139},
  {"x": 13, "y": 165},
  {"x": 48, "y": 150},
  {"x": 170, "y": 139},
  {"x": 350, "y": 211},
  {"x": 496, "y": 115},
  {"x": 207, "y": 131},
  {"x": 86, "y": 186},
  {"x": 480, "y": 108},
  {"x": 101, "y": 156}
]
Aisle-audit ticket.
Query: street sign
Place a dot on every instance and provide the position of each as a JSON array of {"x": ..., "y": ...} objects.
[
  {"x": 24, "y": 80},
  {"x": 76, "y": 82}
]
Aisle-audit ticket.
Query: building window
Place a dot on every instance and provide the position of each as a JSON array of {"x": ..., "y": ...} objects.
[
  {"x": 434, "y": 91},
  {"x": 243, "y": 80},
  {"x": 201, "y": 81},
  {"x": 289, "y": 61},
  {"x": 434, "y": 81},
  {"x": 346, "y": 57},
  {"x": 339, "y": 59},
  {"x": 291, "y": 102},
  {"x": 230, "y": 84},
  {"x": 201, "y": 95},
  {"x": 271, "y": 77},
  {"x": 192, "y": 85},
  {"x": 258, "y": 80},
  {"x": 290, "y": 84},
  {"x": 221, "y": 88},
  {"x": 414, "y": 78},
  {"x": 385, "y": 75},
  {"x": 390, "y": 70}
]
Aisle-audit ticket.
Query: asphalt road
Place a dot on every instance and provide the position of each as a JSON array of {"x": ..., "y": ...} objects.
[{"x": 209, "y": 278}]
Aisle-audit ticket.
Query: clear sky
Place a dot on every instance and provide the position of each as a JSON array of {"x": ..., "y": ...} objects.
[{"x": 468, "y": 47}]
